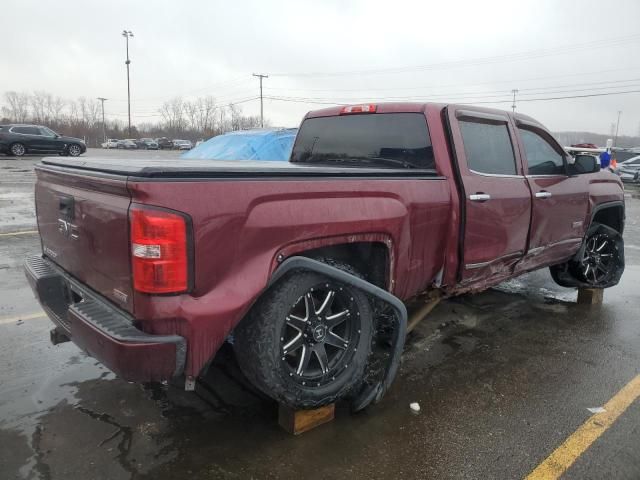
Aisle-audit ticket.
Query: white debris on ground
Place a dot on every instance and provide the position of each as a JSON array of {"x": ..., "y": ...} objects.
[{"x": 596, "y": 410}]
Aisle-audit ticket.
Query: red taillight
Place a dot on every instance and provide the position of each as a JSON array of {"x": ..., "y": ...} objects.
[
  {"x": 159, "y": 251},
  {"x": 358, "y": 109}
]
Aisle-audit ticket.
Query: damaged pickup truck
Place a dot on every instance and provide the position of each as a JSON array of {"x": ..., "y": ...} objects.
[{"x": 305, "y": 266}]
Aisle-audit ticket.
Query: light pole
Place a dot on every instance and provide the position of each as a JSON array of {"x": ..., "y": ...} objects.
[
  {"x": 615, "y": 139},
  {"x": 513, "y": 106},
  {"x": 260, "y": 76},
  {"x": 126, "y": 34},
  {"x": 104, "y": 128}
]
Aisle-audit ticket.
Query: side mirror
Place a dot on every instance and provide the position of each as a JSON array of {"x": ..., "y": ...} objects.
[{"x": 584, "y": 164}]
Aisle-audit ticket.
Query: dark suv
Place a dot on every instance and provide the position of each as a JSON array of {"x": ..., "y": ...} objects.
[
  {"x": 164, "y": 143},
  {"x": 17, "y": 140}
]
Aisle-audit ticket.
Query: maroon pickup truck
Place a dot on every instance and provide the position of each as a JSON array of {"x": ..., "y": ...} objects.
[{"x": 306, "y": 266}]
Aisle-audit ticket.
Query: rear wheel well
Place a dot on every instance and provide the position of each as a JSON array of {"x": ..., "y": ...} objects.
[
  {"x": 370, "y": 259},
  {"x": 610, "y": 216}
]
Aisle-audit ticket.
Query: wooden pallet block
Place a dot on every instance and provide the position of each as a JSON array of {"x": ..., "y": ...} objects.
[
  {"x": 590, "y": 296},
  {"x": 300, "y": 421}
]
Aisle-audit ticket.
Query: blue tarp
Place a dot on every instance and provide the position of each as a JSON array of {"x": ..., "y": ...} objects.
[{"x": 260, "y": 144}]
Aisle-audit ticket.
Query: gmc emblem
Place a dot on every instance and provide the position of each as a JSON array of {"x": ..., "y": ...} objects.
[{"x": 68, "y": 229}]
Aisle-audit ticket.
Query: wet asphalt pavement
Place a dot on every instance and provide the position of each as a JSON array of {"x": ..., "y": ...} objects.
[{"x": 502, "y": 378}]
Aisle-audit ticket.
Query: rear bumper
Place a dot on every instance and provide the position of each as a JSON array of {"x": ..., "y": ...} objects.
[{"x": 104, "y": 331}]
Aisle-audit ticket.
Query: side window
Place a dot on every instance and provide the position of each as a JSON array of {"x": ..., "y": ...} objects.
[
  {"x": 488, "y": 148},
  {"x": 542, "y": 158},
  {"x": 26, "y": 130}
]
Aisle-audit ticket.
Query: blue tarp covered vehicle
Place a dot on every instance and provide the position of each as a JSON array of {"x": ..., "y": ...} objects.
[{"x": 270, "y": 144}]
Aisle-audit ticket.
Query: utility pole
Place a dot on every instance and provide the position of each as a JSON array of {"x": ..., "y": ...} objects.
[
  {"x": 104, "y": 128},
  {"x": 127, "y": 34},
  {"x": 260, "y": 76},
  {"x": 615, "y": 138},
  {"x": 513, "y": 106}
]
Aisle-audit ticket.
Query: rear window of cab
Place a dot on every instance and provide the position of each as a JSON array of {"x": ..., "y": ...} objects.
[{"x": 379, "y": 140}]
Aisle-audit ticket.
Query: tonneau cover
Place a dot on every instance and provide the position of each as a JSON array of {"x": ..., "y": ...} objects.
[{"x": 176, "y": 168}]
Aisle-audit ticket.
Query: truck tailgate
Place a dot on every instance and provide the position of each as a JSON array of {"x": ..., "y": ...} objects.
[{"x": 83, "y": 223}]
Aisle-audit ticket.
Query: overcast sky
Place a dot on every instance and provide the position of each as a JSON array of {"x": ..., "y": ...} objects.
[{"x": 333, "y": 52}]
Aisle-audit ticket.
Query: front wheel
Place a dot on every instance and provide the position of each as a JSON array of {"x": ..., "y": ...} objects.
[
  {"x": 306, "y": 342},
  {"x": 74, "y": 150},
  {"x": 598, "y": 264}
]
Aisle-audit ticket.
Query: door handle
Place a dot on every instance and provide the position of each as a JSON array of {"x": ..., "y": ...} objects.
[
  {"x": 543, "y": 194},
  {"x": 479, "y": 197}
]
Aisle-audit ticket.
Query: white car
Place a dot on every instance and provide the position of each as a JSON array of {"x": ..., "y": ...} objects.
[
  {"x": 628, "y": 171},
  {"x": 110, "y": 143},
  {"x": 182, "y": 144}
]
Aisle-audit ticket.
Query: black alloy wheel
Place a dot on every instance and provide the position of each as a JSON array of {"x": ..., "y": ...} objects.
[
  {"x": 598, "y": 261},
  {"x": 306, "y": 341},
  {"x": 320, "y": 335}
]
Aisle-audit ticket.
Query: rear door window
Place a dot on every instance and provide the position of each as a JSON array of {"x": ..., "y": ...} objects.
[
  {"x": 542, "y": 158},
  {"x": 488, "y": 147},
  {"x": 26, "y": 130},
  {"x": 387, "y": 140}
]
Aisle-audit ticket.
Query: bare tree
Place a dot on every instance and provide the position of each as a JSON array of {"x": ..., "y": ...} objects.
[
  {"x": 201, "y": 114},
  {"x": 17, "y": 108},
  {"x": 195, "y": 119},
  {"x": 235, "y": 112},
  {"x": 54, "y": 107},
  {"x": 172, "y": 113},
  {"x": 38, "y": 101}
]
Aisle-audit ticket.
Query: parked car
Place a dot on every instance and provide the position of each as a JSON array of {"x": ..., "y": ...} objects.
[
  {"x": 127, "y": 144},
  {"x": 110, "y": 143},
  {"x": 306, "y": 264},
  {"x": 629, "y": 170},
  {"x": 164, "y": 143},
  {"x": 256, "y": 144},
  {"x": 18, "y": 140},
  {"x": 182, "y": 144},
  {"x": 147, "y": 144}
]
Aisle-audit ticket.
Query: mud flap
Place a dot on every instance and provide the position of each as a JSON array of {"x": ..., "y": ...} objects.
[
  {"x": 391, "y": 328},
  {"x": 562, "y": 274}
]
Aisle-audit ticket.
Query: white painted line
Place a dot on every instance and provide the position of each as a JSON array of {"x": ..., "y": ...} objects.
[{"x": 17, "y": 318}]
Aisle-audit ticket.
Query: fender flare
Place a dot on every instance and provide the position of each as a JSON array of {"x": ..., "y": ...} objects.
[
  {"x": 597, "y": 208},
  {"x": 370, "y": 393}
]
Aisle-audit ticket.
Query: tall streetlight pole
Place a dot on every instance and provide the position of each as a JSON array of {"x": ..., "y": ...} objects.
[
  {"x": 615, "y": 139},
  {"x": 127, "y": 34},
  {"x": 260, "y": 76},
  {"x": 513, "y": 106},
  {"x": 104, "y": 128}
]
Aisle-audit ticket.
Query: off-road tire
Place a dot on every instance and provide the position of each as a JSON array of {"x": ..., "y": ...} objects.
[
  {"x": 572, "y": 273},
  {"x": 259, "y": 350}
]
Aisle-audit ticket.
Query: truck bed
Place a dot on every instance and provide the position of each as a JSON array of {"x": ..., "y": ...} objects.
[{"x": 184, "y": 168}]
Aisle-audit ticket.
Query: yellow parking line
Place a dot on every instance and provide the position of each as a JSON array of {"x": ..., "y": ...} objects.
[
  {"x": 566, "y": 454},
  {"x": 30, "y": 316},
  {"x": 24, "y": 232}
]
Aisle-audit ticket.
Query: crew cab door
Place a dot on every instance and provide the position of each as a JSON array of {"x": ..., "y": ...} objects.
[
  {"x": 560, "y": 201},
  {"x": 497, "y": 199}
]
